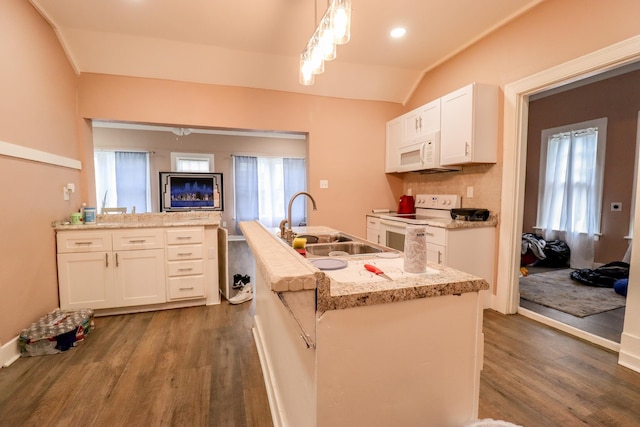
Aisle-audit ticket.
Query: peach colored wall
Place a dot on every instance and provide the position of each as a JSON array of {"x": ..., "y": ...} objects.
[
  {"x": 346, "y": 142},
  {"x": 618, "y": 99},
  {"x": 549, "y": 34},
  {"x": 37, "y": 110}
]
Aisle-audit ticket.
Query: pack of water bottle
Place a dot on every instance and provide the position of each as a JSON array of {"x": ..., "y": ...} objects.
[{"x": 56, "y": 332}]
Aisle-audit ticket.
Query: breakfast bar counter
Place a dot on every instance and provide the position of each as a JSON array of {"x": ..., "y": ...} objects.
[{"x": 339, "y": 350}]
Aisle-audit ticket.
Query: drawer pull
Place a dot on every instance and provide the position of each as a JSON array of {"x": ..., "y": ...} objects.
[
  {"x": 190, "y": 288},
  {"x": 429, "y": 234},
  {"x": 106, "y": 260},
  {"x": 83, "y": 243},
  {"x": 138, "y": 241},
  {"x": 185, "y": 269},
  {"x": 185, "y": 253},
  {"x": 183, "y": 237},
  {"x": 117, "y": 263}
]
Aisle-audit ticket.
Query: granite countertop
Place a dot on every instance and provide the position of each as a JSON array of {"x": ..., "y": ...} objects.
[
  {"x": 145, "y": 220},
  {"x": 447, "y": 223},
  {"x": 286, "y": 271}
]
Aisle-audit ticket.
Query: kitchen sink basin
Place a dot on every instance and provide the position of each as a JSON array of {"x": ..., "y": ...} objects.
[
  {"x": 342, "y": 249},
  {"x": 326, "y": 238}
]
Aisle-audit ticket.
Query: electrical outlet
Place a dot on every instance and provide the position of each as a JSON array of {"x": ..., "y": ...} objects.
[
  {"x": 324, "y": 183},
  {"x": 616, "y": 206},
  {"x": 469, "y": 192}
]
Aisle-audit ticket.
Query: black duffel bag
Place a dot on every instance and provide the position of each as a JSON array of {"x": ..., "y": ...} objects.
[{"x": 604, "y": 276}]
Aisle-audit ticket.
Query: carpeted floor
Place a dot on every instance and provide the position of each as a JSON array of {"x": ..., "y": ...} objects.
[{"x": 555, "y": 289}]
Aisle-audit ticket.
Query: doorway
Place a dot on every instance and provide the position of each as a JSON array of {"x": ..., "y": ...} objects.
[
  {"x": 517, "y": 97},
  {"x": 548, "y": 288}
]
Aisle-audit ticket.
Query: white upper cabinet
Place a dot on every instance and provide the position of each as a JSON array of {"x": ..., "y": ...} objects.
[
  {"x": 395, "y": 132},
  {"x": 469, "y": 125},
  {"x": 423, "y": 120}
]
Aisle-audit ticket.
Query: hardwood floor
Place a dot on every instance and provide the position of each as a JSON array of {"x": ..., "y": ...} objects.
[
  {"x": 199, "y": 367},
  {"x": 607, "y": 325},
  {"x": 186, "y": 367},
  {"x": 537, "y": 376}
]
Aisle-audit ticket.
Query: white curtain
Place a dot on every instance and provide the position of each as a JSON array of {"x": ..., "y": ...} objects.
[
  {"x": 122, "y": 180},
  {"x": 572, "y": 193},
  {"x": 263, "y": 187}
]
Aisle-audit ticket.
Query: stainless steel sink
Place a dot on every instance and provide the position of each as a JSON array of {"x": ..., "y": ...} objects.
[{"x": 342, "y": 249}]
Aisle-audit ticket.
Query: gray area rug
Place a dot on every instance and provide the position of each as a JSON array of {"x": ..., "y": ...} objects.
[{"x": 555, "y": 289}]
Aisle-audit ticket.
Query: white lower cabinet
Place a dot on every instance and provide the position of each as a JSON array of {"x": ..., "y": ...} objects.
[{"x": 109, "y": 269}]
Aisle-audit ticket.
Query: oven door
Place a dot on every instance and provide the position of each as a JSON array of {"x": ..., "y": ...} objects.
[{"x": 392, "y": 234}]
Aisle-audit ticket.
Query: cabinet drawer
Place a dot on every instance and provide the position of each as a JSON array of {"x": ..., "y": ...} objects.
[
  {"x": 139, "y": 238},
  {"x": 180, "y": 252},
  {"x": 184, "y": 236},
  {"x": 83, "y": 241},
  {"x": 436, "y": 235},
  {"x": 186, "y": 268},
  {"x": 373, "y": 222},
  {"x": 186, "y": 287}
]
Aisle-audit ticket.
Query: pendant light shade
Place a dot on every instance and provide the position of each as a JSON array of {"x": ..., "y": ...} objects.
[
  {"x": 306, "y": 70},
  {"x": 341, "y": 20}
]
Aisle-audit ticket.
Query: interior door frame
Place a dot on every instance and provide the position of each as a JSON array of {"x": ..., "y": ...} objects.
[{"x": 516, "y": 112}]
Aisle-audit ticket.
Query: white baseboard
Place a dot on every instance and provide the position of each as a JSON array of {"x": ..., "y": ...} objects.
[
  {"x": 629, "y": 356},
  {"x": 272, "y": 394},
  {"x": 9, "y": 353}
]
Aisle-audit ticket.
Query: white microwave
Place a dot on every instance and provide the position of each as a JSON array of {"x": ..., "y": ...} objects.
[{"x": 422, "y": 154}]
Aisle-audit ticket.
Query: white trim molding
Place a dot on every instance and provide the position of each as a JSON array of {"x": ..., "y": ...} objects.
[
  {"x": 26, "y": 153},
  {"x": 9, "y": 353},
  {"x": 629, "y": 355}
]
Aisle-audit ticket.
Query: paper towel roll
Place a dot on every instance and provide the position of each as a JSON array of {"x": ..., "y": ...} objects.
[{"x": 415, "y": 249}]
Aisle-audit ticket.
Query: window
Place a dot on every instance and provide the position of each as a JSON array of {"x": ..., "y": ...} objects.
[
  {"x": 570, "y": 187},
  {"x": 122, "y": 180},
  {"x": 192, "y": 162},
  {"x": 263, "y": 187}
]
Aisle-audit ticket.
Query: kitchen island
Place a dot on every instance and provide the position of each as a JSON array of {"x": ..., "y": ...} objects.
[{"x": 367, "y": 352}]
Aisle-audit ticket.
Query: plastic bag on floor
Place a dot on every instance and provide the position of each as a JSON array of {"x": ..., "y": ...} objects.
[{"x": 55, "y": 332}]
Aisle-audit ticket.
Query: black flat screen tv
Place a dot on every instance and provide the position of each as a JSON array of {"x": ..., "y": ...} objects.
[{"x": 191, "y": 191}]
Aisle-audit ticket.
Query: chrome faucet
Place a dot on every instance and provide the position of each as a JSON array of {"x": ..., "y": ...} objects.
[{"x": 287, "y": 233}]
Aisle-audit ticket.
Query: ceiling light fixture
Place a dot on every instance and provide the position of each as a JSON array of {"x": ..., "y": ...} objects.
[
  {"x": 398, "y": 32},
  {"x": 333, "y": 29}
]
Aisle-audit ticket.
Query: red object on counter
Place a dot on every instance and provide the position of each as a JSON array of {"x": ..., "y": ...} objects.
[
  {"x": 302, "y": 252},
  {"x": 406, "y": 205}
]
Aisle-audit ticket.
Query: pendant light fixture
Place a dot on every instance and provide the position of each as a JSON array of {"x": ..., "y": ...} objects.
[{"x": 333, "y": 29}]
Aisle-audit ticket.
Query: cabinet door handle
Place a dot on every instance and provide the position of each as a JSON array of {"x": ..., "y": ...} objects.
[
  {"x": 186, "y": 289},
  {"x": 138, "y": 241},
  {"x": 420, "y": 120},
  {"x": 117, "y": 262},
  {"x": 466, "y": 148},
  {"x": 106, "y": 260},
  {"x": 439, "y": 257}
]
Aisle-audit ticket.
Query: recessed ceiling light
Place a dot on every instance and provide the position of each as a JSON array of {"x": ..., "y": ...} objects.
[{"x": 398, "y": 32}]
